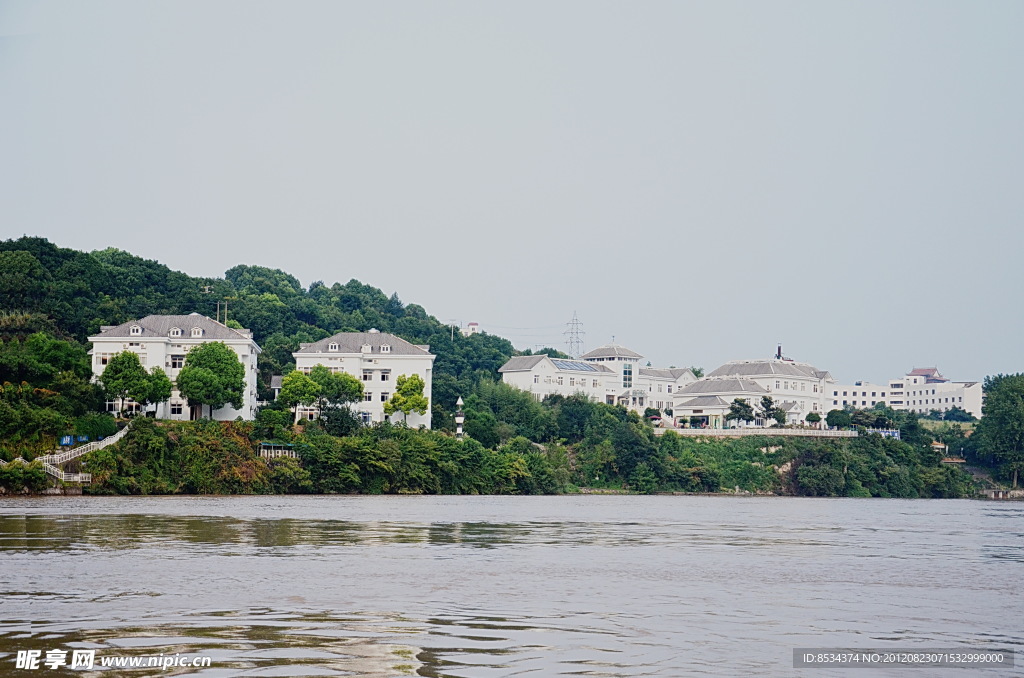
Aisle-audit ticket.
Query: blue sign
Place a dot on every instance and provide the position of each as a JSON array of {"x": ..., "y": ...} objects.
[
  {"x": 67, "y": 440},
  {"x": 83, "y": 439}
]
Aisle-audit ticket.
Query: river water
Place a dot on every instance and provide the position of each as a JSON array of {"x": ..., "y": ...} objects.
[{"x": 502, "y": 586}]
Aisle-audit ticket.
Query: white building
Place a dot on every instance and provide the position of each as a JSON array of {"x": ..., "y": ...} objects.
[
  {"x": 543, "y": 376},
  {"x": 921, "y": 390},
  {"x": 378, "y": 359},
  {"x": 610, "y": 374},
  {"x": 163, "y": 341},
  {"x": 798, "y": 388},
  {"x": 470, "y": 329}
]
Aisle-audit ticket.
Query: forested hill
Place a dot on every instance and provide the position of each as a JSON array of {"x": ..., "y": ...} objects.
[{"x": 73, "y": 293}]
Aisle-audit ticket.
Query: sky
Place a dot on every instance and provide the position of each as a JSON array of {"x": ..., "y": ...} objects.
[{"x": 701, "y": 181}]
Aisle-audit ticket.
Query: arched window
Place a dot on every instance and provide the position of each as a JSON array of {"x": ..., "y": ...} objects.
[
  {"x": 385, "y": 348},
  {"x": 332, "y": 346},
  {"x": 197, "y": 331},
  {"x": 175, "y": 332},
  {"x": 135, "y": 330}
]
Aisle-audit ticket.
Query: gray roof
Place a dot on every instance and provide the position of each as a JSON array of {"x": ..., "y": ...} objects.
[
  {"x": 763, "y": 368},
  {"x": 788, "y": 406},
  {"x": 352, "y": 342},
  {"x": 161, "y": 326},
  {"x": 672, "y": 373},
  {"x": 521, "y": 363},
  {"x": 704, "y": 401},
  {"x": 610, "y": 351},
  {"x": 724, "y": 385}
]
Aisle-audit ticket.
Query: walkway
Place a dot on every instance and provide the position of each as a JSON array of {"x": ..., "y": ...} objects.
[{"x": 51, "y": 462}]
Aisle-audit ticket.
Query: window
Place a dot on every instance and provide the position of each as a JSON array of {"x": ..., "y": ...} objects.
[
  {"x": 627, "y": 375},
  {"x": 177, "y": 362},
  {"x": 385, "y": 375},
  {"x": 384, "y": 395},
  {"x": 175, "y": 332},
  {"x": 872, "y": 394},
  {"x": 835, "y": 393},
  {"x": 536, "y": 378},
  {"x": 670, "y": 388},
  {"x": 559, "y": 380},
  {"x": 385, "y": 348},
  {"x": 333, "y": 346},
  {"x": 176, "y": 408},
  {"x": 785, "y": 385},
  {"x": 135, "y": 330},
  {"x": 815, "y": 388},
  {"x": 367, "y": 375},
  {"x": 777, "y": 385},
  {"x": 835, "y": 402},
  {"x": 367, "y": 397},
  {"x": 572, "y": 381},
  {"x": 197, "y": 331},
  {"x": 595, "y": 383},
  {"x": 883, "y": 394},
  {"x": 364, "y": 417},
  {"x": 844, "y": 393}
]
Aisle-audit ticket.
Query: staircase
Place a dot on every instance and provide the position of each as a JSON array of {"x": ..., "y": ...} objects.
[{"x": 51, "y": 462}]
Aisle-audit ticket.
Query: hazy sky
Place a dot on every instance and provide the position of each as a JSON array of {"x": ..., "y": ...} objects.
[{"x": 701, "y": 180}]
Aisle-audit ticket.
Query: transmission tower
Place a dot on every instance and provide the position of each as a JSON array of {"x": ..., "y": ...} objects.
[{"x": 574, "y": 337}]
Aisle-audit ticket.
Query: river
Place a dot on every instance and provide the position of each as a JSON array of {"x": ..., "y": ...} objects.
[{"x": 500, "y": 586}]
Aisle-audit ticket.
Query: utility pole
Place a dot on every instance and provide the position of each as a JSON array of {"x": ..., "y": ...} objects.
[{"x": 574, "y": 337}]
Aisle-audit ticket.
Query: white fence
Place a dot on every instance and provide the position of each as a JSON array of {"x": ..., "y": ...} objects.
[
  {"x": 750, "y": 431},
  {"x": 51, "y": 461}
]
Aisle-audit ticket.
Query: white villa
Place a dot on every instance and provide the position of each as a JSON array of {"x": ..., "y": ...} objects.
[
  {"x": 609, "y": 374},
  {"x": 378, "y": 359},
  {"x": 163, "y": 341},
  {"x": 798, "y": 388},
  {"x": 921, "y": 390}
]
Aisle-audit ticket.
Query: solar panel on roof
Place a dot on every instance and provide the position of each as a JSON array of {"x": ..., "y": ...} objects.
[{"x": 574, "y": 365}]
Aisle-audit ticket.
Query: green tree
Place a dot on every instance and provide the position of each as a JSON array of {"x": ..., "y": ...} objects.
[
  {"x": 740, "y": 410},
  {"x": 212, "y": 375},
  {"x": 838, "y": 418},
  {"x": 813, "y": 418},
  {"x": 159, "y": 387},
  {"x": 1001, "y": 430},
  {"x": 408, "y": 397},
  {"x": 769, "y": 410},
  {"x": 697, "y": 371},
  {"x": 125, "y": 377},
  {"x": 336, "y": 388},
  {"x": 297, "y": 388}
]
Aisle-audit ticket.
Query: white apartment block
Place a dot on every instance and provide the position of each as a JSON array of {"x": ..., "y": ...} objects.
[
  {"x": 378, "y": 359},
  {"x": 163, "y": 341},
  {"x": 798, "y": 388},
  {"x": 609, "y": 374},
  {"x": 921, "y": 390}
]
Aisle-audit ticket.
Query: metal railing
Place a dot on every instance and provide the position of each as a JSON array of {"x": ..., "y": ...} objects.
[{"x": 50, "y": 461}]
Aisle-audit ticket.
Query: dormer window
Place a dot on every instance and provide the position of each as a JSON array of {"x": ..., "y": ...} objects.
[
  {"x": 385, "y": 348},
  {"x": 135, "y": 331},
  {"x": 367, "y": 348},
  {"x": 175, "y": 332},
  {"x": 197, "y": 331},
  {"x": 332, "y": 346}
]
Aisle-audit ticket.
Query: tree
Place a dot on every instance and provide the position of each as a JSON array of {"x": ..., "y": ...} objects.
[
  {"x": 838, "y": 418},
  {"x": 1001, "y": 430},
  {"x": 697, "y": 371},
  {"x": 813, "y": 418},
  {"x": 125, "y": 377},
  {"x": 298, "y": 388},
  {"x": 408, "y": 397},
  {"x": 160, "y": 386},
  {"x": 769, "y": 411},
  {"x": 740, "y": 410},
  {"x": 336, "y": 389},
  {"x": 212, "y": 375}
]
